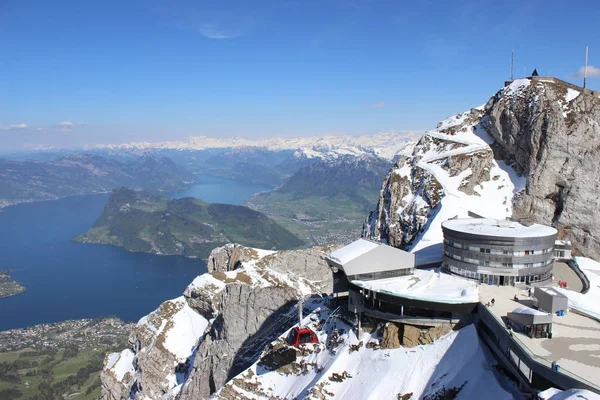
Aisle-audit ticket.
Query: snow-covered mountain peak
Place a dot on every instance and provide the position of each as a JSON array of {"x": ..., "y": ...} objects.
[{"x": 385, "y": 144}]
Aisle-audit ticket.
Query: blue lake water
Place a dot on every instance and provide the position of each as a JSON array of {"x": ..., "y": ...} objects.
[
  {"x": 213, "y": 189},
  {"x": 67, "y": 280}
]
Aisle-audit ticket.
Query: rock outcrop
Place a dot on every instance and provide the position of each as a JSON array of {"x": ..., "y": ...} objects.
[
  {"x": 532, "y": 152},
  {"x": 391, "y": 336},
  {"x": 550, "y": 132},
  {"x": 190, "y": 346}
]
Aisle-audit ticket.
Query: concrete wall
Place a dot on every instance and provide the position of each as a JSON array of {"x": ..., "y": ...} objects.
[{"x": 549, "y": 302}]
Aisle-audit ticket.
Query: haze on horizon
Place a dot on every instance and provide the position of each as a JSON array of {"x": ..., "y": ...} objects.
[{"x": 78, "y": 73}]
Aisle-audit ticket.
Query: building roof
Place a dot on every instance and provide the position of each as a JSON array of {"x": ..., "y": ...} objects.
[
  {"x": 497, "y": 228},
  {"x": 426, "y": 285},
  {"x": 551, "y": 291},
  {"x": 528, "y": 311},
  {"x": 364, "y": 257},
  {"x": 355, "y": 249},
  {"x": 380, "y": 259}
]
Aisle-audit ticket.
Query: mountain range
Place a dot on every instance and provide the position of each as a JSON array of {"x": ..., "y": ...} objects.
[
  {"x": 530, "y": 151},
  {"x": 78, "y": 174}
]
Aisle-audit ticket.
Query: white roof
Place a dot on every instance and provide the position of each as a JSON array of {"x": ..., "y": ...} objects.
[
  {"x": 498, "y": 228},
  {"x": 355, "y": 249},
  {"x": 380, "y": 259},
  {"x": 551, "y": 291},
  {"x": 529, "y": 311},
  {"x": 427, "y": 285}
]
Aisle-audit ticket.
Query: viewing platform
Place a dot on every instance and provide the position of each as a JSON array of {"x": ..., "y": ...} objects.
[{"x": 575, "y": 342}]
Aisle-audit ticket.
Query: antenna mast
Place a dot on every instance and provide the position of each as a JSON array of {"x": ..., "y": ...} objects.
[
  {"x": 585, "y": 68},
  {"x": 512, "y": 64},
  {"x": 300, "y": 306}
]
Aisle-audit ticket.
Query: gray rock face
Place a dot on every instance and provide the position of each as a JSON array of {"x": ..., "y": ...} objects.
[
  {"x": 114, "y": 389},
  {"x": 548, "y": 131},
  {"x": 307, "y": 263},
  {"x": 228, "y": 257},
  {"x": 244, "y": 298},
  {"x": 554, "y": 140},
  {"x": 244, "y": 312}
]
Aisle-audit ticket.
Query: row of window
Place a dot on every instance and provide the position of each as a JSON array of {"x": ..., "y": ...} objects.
[
  {"x": 496, "y": 251},
  {"x": 486, "y": 277},
  {"x": 486, "y": 263}
]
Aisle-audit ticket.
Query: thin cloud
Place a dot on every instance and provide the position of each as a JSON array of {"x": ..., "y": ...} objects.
[
  {"x": 381, "y": 104},
  {"x": 592, "y": 72},
  {"x": 211, "y": 24},
  {"x": 68, "y": 125},
  {"x": 13, "y": 127},
  {"x": 213, "y": 31}
]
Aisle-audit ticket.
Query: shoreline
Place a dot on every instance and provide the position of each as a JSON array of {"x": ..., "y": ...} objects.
[{"x": 9, "y": 287}]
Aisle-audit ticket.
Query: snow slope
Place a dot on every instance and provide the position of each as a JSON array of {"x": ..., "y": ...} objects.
[
  {"x": 351, "y": 371},
  {"x": 492, "y": 198},
  {"x": 588, "y": 303}
]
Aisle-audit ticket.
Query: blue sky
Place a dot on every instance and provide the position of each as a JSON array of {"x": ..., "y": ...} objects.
[{"x": 84, "y": 72}]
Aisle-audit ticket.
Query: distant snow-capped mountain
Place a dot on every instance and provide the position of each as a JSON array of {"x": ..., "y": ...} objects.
[{"x": 386, "y": 144}]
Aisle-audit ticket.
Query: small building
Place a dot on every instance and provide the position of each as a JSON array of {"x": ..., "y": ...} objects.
[
  {"x": 562, "y": 250},
  {"x": 366, "y": 260},
  {"x": 550, "y": 300},
  {"x": 533, "y": 323}
]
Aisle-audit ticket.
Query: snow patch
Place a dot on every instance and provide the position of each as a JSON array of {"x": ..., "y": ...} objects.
[
  {"x": 187, "y": 327},
  {"x": 432, "y": 285},
  {"x": 121, "y": 364},
  {"x": 571, "y": 95}
]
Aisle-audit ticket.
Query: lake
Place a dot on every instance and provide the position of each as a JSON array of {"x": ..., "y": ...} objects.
[
  {"x": 213, "y": 189},
  {"x": 67, "y": 280}
]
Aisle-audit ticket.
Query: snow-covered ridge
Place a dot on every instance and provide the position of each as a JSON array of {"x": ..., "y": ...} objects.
[
  {"x": 385, "y": 145},
  {"x": 451, "y": 173},
  {"x": 344, "y": 366},
  {"x": 240, "y": 294}
]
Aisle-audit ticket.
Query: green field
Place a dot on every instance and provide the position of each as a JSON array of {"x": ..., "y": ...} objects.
[
  {"x": 51, "y": 374},
  {"x": 317, "y": 220}
]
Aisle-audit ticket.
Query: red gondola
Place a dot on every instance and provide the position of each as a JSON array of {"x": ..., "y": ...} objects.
[{"x": 300, "y": 336}]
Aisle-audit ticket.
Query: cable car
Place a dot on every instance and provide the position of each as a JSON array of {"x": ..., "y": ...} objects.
[{"x": 301, "y": 335}]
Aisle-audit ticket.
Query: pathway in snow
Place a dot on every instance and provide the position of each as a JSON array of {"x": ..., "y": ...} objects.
[{"x": 493, "y": 198}]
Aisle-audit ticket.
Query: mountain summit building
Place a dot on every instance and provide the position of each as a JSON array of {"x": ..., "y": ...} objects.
[{"x": 498, "y": 252}]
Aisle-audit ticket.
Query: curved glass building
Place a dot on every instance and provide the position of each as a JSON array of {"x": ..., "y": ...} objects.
[{"x": 498, "y": 252}]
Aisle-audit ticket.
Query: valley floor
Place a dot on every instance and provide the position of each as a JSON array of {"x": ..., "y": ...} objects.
[{"x": 59, "y": 359}]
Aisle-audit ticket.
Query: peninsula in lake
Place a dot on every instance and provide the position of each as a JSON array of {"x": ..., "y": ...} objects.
[
  {"x": 140, "y": 221},
  {"x": 9, "y": 287}
]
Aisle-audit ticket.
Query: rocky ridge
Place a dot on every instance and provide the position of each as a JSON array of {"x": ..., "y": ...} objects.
[
  {"x": 531, "y": 152},
  {"x": 190, "y": 346}
]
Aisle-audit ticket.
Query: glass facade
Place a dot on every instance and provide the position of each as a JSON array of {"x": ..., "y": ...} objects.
[{"x": 498, "y": 260}]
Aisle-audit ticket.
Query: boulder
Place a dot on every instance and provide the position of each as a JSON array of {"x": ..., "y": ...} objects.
[
  {"x": 410, "y": 336},
  {"x": 391, "y": 336}
]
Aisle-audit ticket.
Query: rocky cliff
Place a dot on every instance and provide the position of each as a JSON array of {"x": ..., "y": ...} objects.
[
  {"x": 530, "y": 152},
  {"x": 190, "y": 346}
]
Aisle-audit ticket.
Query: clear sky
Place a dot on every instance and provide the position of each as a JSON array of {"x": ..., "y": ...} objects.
[{"x": 83, "y": 72}]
